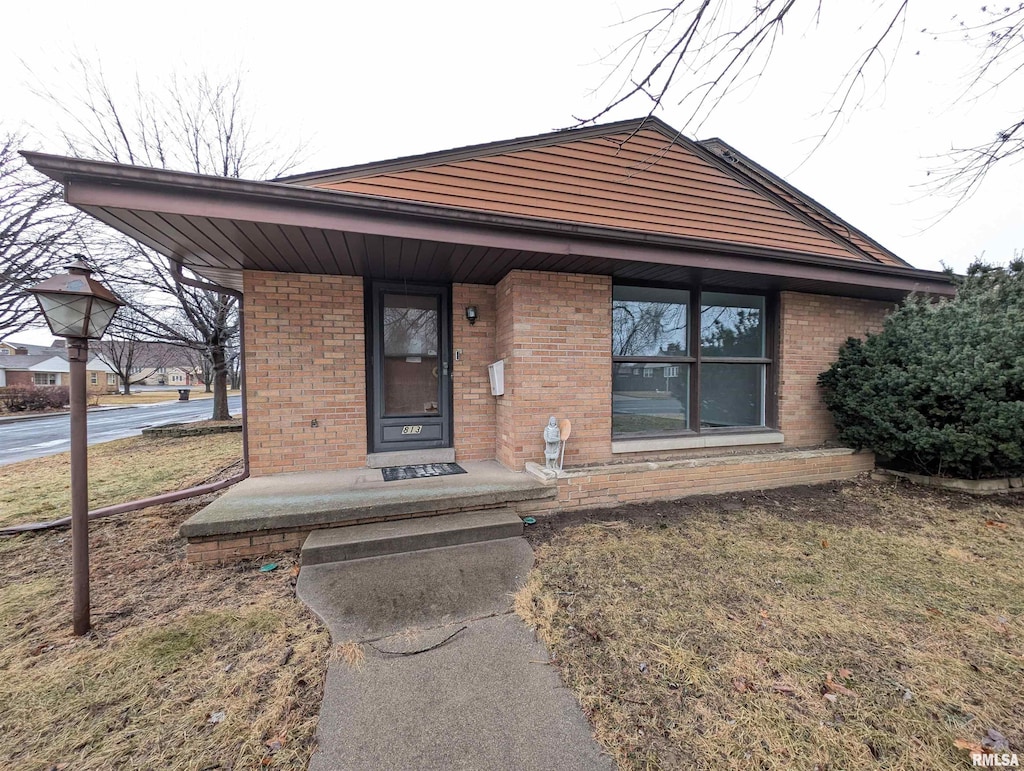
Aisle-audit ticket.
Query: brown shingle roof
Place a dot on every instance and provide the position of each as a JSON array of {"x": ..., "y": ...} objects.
[{"x": 636, "y": 175}]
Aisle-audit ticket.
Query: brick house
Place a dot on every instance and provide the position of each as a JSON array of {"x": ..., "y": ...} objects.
[
  {"x": 673, "y": 299},
  {"x": 151, "y": 363},
  {"x": 37, "y": 365}
]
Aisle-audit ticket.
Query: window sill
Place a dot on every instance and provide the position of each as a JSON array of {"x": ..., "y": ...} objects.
[{"x": 697, "y": 442}]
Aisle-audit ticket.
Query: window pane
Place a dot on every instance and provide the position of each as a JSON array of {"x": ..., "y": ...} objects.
[
  {"x": 411, "y": 344},
  {"x": 731, "y": 325},
  {"x": 649, "y": 322},
  {"x": 731, "y": 395},
  {"x": 650, "y": 398}
]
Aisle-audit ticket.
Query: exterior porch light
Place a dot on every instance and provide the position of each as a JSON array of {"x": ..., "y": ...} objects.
[
  {"x": 471, "y": 314},
  {"x": 78, "y": 308}
]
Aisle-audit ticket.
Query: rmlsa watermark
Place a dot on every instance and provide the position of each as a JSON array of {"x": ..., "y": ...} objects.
[{"x": 995, "y": 760}]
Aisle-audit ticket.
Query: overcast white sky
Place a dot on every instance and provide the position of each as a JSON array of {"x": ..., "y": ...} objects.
[{"x": 366, "y": 82}]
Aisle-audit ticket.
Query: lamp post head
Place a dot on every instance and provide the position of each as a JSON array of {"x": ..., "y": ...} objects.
[{"x": 75, "y": 304}]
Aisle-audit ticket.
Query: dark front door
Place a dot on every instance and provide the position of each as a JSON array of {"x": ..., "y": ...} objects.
[{"x": 410, "y": 387}]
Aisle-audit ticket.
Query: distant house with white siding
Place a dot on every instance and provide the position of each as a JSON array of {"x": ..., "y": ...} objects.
[{"x": 40, "y": 365}]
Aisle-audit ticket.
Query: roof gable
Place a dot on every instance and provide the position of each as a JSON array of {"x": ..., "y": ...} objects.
[
  {"x": 51, "y": 364},
  {"x": 759, "y": 175},
  {"x": 636, "y": 175}
]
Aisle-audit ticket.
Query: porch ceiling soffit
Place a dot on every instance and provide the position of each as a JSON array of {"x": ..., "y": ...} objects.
[{"x": 220, "y": 226}]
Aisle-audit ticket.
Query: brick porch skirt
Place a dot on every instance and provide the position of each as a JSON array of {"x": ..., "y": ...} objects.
[
  {"x": 610, "y": 485},
  {"x": 604, "y": 486}
]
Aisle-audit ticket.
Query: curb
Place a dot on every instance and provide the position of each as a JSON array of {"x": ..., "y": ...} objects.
[
  {"x": 178, "y": 430},
  {"x": 39, "y": 416},
  {"x": 20, "y": 418}
]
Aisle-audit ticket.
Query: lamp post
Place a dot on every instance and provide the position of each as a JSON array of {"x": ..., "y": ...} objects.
[{"x": 78, "y": 308}]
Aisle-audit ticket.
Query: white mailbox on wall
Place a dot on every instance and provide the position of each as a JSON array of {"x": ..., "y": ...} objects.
[{"x": 496, "y": 372}]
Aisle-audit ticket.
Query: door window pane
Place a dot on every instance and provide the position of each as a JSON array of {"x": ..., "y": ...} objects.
[
  {"x": 731, "y": 325},
  {"x": 650, "y": 398},
  {"x": 410, "y": 366},
  {"x": 649, "y": 322},
  {"x": 731, "y": 395}
]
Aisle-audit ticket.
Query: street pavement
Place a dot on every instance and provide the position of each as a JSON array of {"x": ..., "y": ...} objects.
[{"x": 24, "y": 439}]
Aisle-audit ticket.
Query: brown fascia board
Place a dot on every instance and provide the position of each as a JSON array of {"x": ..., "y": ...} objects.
[
  {"x": 775, "y": 179},
  {"x": 484, "y": 150},
  {"x": 105, "y": 184}
]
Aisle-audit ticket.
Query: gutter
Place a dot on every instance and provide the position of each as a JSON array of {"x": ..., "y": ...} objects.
[{"x": 177, "y": 495}]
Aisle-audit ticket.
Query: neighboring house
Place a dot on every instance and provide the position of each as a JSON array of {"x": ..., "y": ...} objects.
[
  {"x": 11, "y": 348},
  {"x": 36, "y": 365},
  {"x": 151, "y": 363},
  {"x": 672, "y": 298},
  {"x": 170, "y": 375}
]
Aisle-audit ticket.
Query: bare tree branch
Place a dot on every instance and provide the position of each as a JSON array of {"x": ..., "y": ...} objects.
[
  {"x": 699, "y": 52},
  {"x": 196, "y": 123},
  {"x": 37, "y": 235}
]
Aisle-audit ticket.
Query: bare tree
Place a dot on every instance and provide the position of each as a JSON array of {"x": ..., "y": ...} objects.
[
  {"x": 201, "y": 366},
  {"x": 37, "y": 234},
  {"x": 191, "y": 122},
  {"x": 697, "y": 52},
  {"x": 206, "y": 322},
  {"x": 196, "y": 123},
  {"x": 214, "y": 318},
  {"x": 235, "y": 368},
  {"x": 129, "y": 350}
]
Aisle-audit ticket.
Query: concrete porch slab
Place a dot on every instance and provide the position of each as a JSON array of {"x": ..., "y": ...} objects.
[{"x": 311, "y": 500}]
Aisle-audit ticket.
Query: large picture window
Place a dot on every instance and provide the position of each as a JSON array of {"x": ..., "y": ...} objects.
[{"x": 688, "y": 361}]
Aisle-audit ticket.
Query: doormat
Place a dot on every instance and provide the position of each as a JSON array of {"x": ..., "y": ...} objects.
[{"x": 394, "y": 473}]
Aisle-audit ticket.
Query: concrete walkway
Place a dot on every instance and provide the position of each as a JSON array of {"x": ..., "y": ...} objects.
[{"x": 488, "y": 698}]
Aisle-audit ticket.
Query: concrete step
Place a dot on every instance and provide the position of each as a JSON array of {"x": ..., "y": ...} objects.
[
  {"x": 340, "y": 544},
  {"x": 375, "y": 597}
]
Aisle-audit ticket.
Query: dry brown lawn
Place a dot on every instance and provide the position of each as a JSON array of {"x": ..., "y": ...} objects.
[
  {"x": 845, "y": 627},
  {"x": 187, "y": 667},
  {"x": 119, "y": 471},
  {"x": 150, "y": 397}
]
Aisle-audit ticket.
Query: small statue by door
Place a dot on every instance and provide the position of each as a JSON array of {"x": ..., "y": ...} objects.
[{"x": 552, "y": 443}]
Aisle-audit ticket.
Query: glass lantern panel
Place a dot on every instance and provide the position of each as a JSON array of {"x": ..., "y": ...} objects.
[
  {"x": 102, "y": 313},
  {"x": 65, "y": 313}
]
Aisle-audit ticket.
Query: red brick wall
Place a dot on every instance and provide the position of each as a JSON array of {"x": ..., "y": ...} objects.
[
  {"x": 20, "y": 379},
  {"x": 304, "y": 360},
  {"x": 471, "y": 389},
  {"x": 504, "y": 412},
  {"x": 812, "y": 329},
  {"x": 554, "y": 332},
  {"x": 613, "y": 485}
]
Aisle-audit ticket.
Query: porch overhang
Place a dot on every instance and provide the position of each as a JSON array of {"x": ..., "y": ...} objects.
[{"x": 219, "y": 227}]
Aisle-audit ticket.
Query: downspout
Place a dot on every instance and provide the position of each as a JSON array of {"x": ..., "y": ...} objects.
[
  {"x": 191, "y": 492},
  {"x": 180, "y": 278}
]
